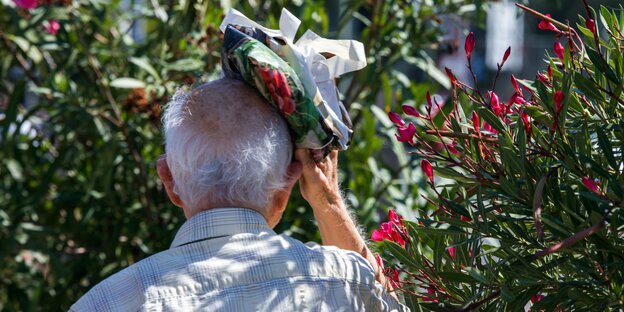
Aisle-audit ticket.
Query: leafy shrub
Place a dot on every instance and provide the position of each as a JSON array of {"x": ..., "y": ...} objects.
[{"x": 528, "y": 193}]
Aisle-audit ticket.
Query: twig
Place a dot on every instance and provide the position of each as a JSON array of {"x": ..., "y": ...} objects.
[{"x": 572, "y": 239}]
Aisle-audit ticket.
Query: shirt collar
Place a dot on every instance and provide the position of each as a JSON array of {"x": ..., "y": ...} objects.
[{"x": 220, "y": 222}]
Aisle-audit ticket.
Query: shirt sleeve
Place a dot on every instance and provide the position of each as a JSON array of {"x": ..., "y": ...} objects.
[
  {"x": 390, "y": 302},
  {"x": 378, "y": 299}
]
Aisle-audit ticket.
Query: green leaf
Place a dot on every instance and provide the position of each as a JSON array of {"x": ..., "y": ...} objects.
[
  {"x": 145, "y": 65},
  {"x": 185, "y": 65},
  {"x": 127, "y": 83},
  {"x": 435, "y": 228},
  {"x": 606, "y": 147},
  {"x": 15, "y": 169},
  {"x": 587, "y": 87},
  {"x": 449, "y": 173},
  {"x": 31, "y": 50},
  {"x": 594, "y": 166},
  {"x": 401, "y": 254},
  {"x": 456, "y": 277},
  {"x": 605, "y": 68},
  {"x": 477, "y": 275},
  {"x": 491, "y": 119}
]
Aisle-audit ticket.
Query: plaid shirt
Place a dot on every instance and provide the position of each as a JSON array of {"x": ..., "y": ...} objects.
[{"x": 230, "y": 260}]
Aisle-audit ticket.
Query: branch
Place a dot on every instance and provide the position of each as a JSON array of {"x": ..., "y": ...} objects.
[{"x": 572, "y": 239}]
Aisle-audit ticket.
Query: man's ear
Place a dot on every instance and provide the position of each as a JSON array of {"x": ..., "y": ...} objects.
[
  {"x": 167, "y": 180},
  {"x": 279, "y": 199}
]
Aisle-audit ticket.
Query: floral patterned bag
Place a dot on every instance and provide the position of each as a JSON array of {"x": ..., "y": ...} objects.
[{"x": 294, "y": 78}]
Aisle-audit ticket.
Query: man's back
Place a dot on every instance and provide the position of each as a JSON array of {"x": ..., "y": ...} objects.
[{"x": 230, "y": 260}]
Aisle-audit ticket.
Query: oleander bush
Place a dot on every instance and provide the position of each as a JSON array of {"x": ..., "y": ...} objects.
[
  {"x": 527, "y": 210},
  {"x": 82, "y": 85}
]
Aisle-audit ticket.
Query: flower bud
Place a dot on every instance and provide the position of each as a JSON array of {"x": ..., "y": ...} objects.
[
  {"x": 514, "y": 83},
  {"x": 450, "y": 75},
  {"x": 591, "y": 184},
  {"x": 396, "y": 119},
  {"x": 475, "y": 121},
  {"x": 506, "y": 56},
  {"x": 469, "y": 45},
  {"x": 559, "y": 96},
  {"x": 591, "y": 25},
  {"x": 544, "y": 25},
  {"x": 560, "y": 51},
  {"x": 427, "y": 169},
  {"x": 411, "y": 111},
  {"x": 429, "y": 105}
]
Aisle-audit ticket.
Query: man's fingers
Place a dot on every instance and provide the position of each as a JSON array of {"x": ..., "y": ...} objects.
[
  {"x": 317, "y": 154},
  {"x": 303, "y": 155}
]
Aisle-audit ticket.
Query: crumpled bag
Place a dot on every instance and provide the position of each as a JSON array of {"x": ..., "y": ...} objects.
[{"x": 296, "y": 78}]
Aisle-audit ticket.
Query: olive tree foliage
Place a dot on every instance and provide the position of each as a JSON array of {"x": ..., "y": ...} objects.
[{"x": 82, "y": 85}]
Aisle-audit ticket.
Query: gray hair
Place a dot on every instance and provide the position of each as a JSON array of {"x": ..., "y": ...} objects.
[{"x": 225, "y": 146}]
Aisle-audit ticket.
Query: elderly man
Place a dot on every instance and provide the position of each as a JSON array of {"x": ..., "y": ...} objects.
[{"x": 229, "y": 165}]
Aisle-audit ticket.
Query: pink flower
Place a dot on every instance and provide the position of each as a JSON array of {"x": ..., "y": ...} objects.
[
  {"x": 465, "y": 219},
  {"x": 506, "y": 56},
  {"x": 452, "y": 149},
  {"x": 591, "y": 25},
  {"x": 591, "y": 185},
  {"x": 451, "y": 251},
  {"x": 516, "y": 98},
  {"x": 559, "y": 96},
  {"x": 527, "y": 125},
  {"x": 388, "y": 232},
  {"x": 475, "y": 121},
  {"x": 52, "y": 27},
  {"x": 430, "y": 291},
  {"x": 536, "y": 297},
  {"x": 396, "y": 119},
  {"x": 427, "y": 169},
  {"x": 469, "y": 45},
  {"x": 406, "y": 134},
  {"x": 395, "y": 281},
  {"x": 377, "y": 236},
  {"x": 487, "y": 127},
  {"x": 514, "y": 83},
  {"x": 410, "y": 111},
  {"x": 497, "y": 108},
  {"x": 560, "y": 51},
  {"x": 450, "y": 75},
  {"x": 26, "y": 4},
  {"x": 395, "y": 218},
  {"x": 544, "y": 25}
]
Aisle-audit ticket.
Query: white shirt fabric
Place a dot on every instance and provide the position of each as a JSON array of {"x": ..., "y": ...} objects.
[{"x": 228, "y": 259}]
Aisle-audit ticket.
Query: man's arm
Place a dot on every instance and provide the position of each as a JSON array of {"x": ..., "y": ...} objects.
[{"x": 319, "y": 186}]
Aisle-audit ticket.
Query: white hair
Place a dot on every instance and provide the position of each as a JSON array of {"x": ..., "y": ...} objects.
[{"x": 225, "y": 146}]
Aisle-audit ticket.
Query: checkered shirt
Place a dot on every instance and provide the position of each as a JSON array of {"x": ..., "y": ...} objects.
[{"x": 228, "y": 259}]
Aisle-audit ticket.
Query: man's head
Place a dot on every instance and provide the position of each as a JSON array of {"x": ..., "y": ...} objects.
[{"x": 226, "y": 147}]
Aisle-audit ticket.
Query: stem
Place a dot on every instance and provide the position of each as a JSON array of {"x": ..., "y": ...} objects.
[
  {"x": 558, "y": 24},
  {"x": 500, "y": 67},
  {"x": 572, "y": 239},
  {"x": 461, "y": 135}
]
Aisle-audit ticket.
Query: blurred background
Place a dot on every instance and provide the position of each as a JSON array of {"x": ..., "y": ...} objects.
[{"x": 83, "y": 83}]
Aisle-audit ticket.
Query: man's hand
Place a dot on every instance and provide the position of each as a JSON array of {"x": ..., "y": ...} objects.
[
  {"x": 319, "y": 181},
  {"x": 319, "y": 186}
]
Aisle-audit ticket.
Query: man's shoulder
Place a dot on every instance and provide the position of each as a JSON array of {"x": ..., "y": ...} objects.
[
  {"x": 122, "y": 291},
  {"x": 347, "y": 264}
]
